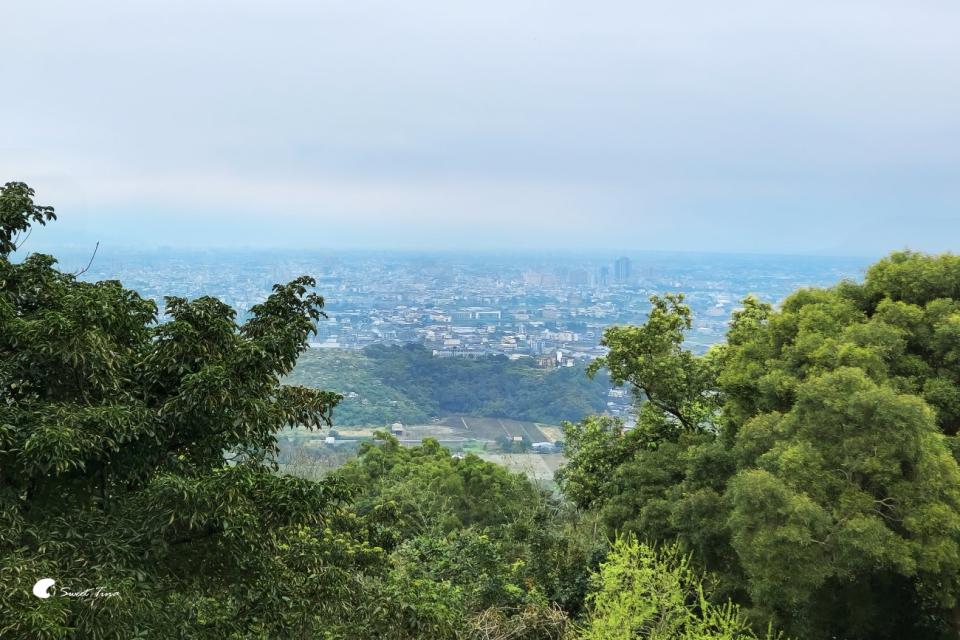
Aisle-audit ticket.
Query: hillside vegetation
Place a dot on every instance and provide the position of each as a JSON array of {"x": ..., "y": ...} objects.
[
  {"x": 809, "y": 462},
  {"x": 383, "y": 384}
]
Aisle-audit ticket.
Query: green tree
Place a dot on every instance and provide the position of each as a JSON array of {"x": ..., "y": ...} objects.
[
  {"x": 651, "y": 358},
  {"x": 808, "y": 460},
  {"x": 641, "y": 592},
  {"x": 598, "y": 446},
  {"x": 114, "y": 430}
]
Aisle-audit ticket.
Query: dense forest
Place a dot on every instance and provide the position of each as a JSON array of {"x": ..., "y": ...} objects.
[
  {"x": 390, "y": 383},
  {"x": 799, "y": 480}
]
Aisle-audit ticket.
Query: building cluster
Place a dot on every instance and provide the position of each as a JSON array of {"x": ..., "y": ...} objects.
[{"x": 551, "y": 308}]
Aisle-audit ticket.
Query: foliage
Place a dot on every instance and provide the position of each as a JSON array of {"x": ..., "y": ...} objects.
[
  {"x": 598, "y": 445},
  {"x": 809, "y": 460},
  {"x": 113, "y": 430},
  {"x": 656, "y": 594},
  {"x": 672, "y": 381},
  {"x": 501, "y": 540},
  {"x": 424, "y": 486},
  {"x": 369, "y": 399},
  {"x": 409, "y": 385},
  {"x": 17, "y": 213}
]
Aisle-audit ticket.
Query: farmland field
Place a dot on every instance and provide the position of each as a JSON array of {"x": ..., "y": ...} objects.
[
  {"x": 534, "y": 465},
  {"x": 305, "y": 452}
]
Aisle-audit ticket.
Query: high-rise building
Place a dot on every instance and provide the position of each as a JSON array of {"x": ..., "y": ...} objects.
[
  {"x": 604, "y": 276},
  {"x": 578, "y": 277},
  {"x": 621, "y": 270}
]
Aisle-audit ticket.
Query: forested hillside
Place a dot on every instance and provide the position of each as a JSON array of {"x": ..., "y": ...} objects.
[{"x": 383, "y": 384}]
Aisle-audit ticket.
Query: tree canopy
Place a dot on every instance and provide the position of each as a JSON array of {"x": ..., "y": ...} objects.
[
  {"x": 113, "y": 434},
  {"x": 383, "y": 384},
  {"x": 808, "y": 461},
  {"x": 658, "y": 594}
]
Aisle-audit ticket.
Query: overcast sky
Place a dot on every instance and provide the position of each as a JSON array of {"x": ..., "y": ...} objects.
[{"x": 818, "y": 126}]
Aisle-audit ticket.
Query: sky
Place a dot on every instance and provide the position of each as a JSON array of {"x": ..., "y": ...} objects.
[{"x": 818, "y": 127}]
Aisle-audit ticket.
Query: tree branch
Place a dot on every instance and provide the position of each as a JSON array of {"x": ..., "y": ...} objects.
[{"x": 86, "y": 268}]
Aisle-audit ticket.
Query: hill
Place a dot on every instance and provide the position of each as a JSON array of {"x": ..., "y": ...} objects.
[{"x": 383, "y": 384}]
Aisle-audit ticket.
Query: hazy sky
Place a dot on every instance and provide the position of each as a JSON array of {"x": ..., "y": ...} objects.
[{"x": 818, "y": 126}]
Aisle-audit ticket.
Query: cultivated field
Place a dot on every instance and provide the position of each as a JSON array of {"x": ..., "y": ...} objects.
[
  {"x": 494, "y": 428},
  {"x": 539, "y": 467},
  {"x": 449, "y": 429},
  {"x": 309, "y": 455}
]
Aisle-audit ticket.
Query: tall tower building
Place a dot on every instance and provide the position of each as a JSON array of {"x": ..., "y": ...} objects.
[
  {"x": 621, "y": 270},
  {"x": 604, "y": 276}
]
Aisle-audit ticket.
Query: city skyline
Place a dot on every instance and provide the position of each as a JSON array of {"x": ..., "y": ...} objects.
[{"x": 398, "y": 298}]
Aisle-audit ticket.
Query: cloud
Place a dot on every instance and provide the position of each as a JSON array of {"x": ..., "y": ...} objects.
[{"x": 499, "y": 123}]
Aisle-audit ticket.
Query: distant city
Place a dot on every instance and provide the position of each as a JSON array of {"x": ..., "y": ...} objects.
[{"x": 549, "y": 307}]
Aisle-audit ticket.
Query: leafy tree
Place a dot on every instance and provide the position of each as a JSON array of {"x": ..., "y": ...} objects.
[
  {"x": 641, "y": 592},
  {"x": 17, "y": 214},
  {"x": 513, "y": 558},
  {"x": 113, "y": 435},
  {"x": 417, "y": 489},
  {"x": 651, "y": 358},
  {"x": 809, "y": 460},
  {"x": 598, "y": 446}
]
